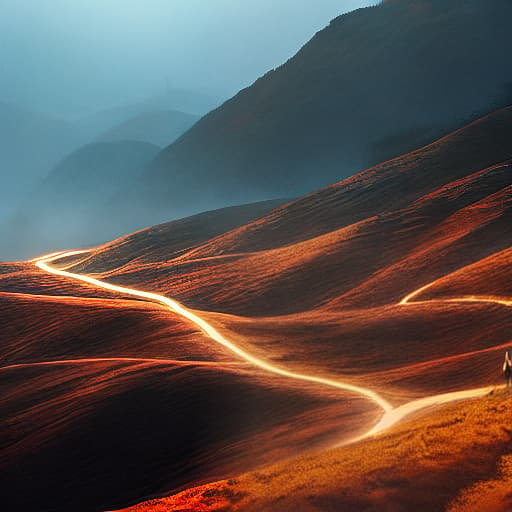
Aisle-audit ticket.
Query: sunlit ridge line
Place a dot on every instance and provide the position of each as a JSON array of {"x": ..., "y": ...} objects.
[
  {"x": 87, "y": 360},
  {"x": 43, "y": 264},
  {"x": 49, "y": 256}
]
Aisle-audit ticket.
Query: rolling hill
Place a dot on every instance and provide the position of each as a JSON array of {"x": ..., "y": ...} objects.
[
  {"x": 365, "y": 281},
  {"x": 438, "y": 203},
  {"x": 164, "y": 406},
  {"x": 166, "y": 411},
  {"x": 396, "y": 279},
  {"x": 325, "y": 282}
]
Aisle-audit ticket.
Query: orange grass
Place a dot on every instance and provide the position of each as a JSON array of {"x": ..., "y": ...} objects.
[{"x": 452, "y": 457}]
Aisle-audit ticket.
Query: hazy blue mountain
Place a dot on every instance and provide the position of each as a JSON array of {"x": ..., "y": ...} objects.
[
  {"x": 373, "y": 84},
  {"x": 30, "y": 145},
  {"x": 184, "y": 100},
  {"x": 61, "y": 210},
  {"x": 156, "y": 127},
  {"x": 373, "y": 75},
  {"x": 180, "y": 100}
]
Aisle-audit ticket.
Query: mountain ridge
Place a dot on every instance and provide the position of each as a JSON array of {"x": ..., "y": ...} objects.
[{"x": 316, "y": 118}]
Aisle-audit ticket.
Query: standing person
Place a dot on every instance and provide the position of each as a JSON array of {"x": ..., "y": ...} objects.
[{"x": 507, "y": 368}]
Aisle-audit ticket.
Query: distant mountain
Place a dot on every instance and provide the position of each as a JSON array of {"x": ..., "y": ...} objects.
[
  {"x": 30, "y": 145},
  {"x": 60, "y": 210},
  {"x": 178, "y": 100},
  {"x": 350, "y": 97},
  {"x": 184, "y": 100},
  {"x": 156, "y": 127},
  {"x": 101, "y": 163}
]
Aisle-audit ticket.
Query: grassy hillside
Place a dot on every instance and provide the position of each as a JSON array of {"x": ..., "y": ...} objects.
[
  {"x": 395, "y": 279},
  {"x": 455, "y": 459},
  {"x": 319, "y": 284}
]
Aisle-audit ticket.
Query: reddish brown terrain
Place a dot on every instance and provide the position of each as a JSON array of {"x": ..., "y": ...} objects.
[
  {"x": 317, "y": 283},
  {"x": 107, "y": 399},
  {"x": 365, "y": 282},
  {"x": 119, "y": 399}
]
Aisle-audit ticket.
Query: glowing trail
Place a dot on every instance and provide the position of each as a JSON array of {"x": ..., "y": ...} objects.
[
  {"x": 391, "y": 415},
  {"x": 44, "y": 264},
  {"x": 391, "y": 418},
  {"x": 409, "y": 299}
]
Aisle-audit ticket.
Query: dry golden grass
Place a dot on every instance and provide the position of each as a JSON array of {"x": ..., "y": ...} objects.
[
  {"x": 457, "y": 458},
  {"x": 493, "y": 495}
]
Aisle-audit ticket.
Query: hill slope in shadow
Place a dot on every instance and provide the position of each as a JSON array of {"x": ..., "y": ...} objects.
[{"x": 398, "y": 68}]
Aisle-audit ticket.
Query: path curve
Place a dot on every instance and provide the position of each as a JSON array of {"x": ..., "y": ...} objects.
[
  {"x": 44, "y": 264},
  {"x": 392, "y": 415}
]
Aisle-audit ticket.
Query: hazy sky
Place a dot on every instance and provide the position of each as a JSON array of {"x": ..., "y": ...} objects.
[{"x": 75, "y": 56}]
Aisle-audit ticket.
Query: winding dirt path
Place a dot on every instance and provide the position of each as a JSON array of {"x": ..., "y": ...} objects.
[
  {"x": 391, "y": 415},
  {"x": 44, "y": 264}
]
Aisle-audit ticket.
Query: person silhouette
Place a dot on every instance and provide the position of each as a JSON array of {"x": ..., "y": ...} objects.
[{"x": 507, "y": 368}]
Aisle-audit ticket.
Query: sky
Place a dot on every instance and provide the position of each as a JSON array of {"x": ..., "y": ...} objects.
[{"x": 74, "y": 57}]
